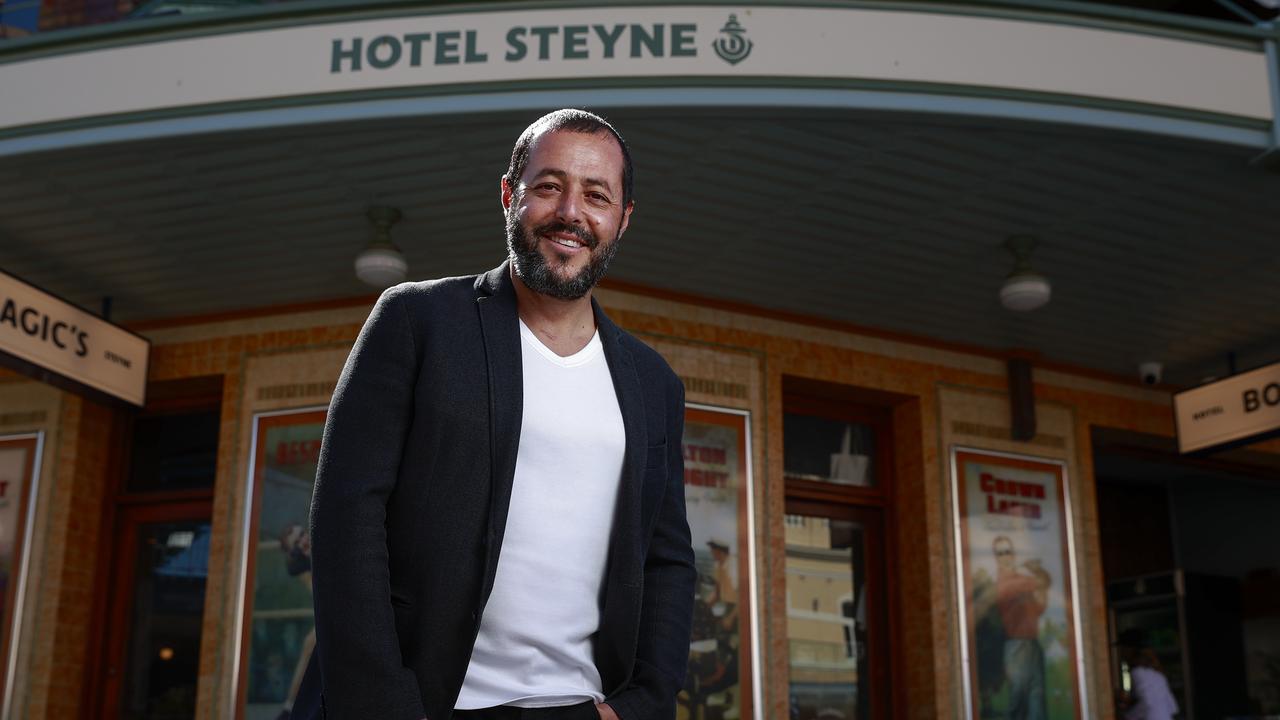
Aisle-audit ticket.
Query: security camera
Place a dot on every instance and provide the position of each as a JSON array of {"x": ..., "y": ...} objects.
[{"x": 1150, "y": 372}]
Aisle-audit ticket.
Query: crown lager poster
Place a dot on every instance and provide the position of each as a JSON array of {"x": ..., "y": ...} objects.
[{"x": 1020, "y": 639}]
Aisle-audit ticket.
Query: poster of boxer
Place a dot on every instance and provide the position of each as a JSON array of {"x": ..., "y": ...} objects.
[{"x": 717, "y": 485}]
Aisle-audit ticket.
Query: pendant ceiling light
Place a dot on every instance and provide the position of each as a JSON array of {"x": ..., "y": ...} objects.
[
  {"x": 381, "y": 264},
  {"x": 1024, "y": 289}
]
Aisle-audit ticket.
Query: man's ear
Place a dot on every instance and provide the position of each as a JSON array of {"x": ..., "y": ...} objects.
[
  {"x": 505, "y": 192},
  {"x": 626, "y": 217}
]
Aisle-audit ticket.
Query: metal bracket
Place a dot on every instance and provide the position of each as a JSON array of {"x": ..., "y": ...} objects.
[{"x": 1270, "y": 158}]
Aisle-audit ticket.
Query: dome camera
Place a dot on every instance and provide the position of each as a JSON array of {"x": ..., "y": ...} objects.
[{"x": 1150, "y": 372}]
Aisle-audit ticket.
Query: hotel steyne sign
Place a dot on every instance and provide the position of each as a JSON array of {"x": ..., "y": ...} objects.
[
  {"x": 43, "y": 335},
  {"x": 598, "y": 41},
  {"x": 430, "y": 52},
  {"x": 1240, "y": 409}
]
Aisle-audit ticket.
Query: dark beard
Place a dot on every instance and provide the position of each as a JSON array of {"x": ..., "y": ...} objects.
[{"x": 532, "y": 268}]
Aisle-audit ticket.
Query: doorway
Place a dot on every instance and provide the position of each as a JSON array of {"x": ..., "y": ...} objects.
[
  {"x": 154, "y": 577},
  {"x": 837, "y": 456},
  {"x": 1191, "y": 559}
]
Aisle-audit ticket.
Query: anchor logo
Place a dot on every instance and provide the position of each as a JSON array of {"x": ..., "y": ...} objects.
[{"x": 732, "y": 46}]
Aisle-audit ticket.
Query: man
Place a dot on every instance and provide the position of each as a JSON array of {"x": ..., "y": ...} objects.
[
  {"x": 1022, "y": 599},
  {"x": 1150, "y": 697},
  {"x": 498, "y": 526}
]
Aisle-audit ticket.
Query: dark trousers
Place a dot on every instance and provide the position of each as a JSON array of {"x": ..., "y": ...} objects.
[{"x": 581, "y": 711}]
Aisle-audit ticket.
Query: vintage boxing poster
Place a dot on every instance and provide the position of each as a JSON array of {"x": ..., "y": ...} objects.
[
  {"x": 717, "y": 486},
  {"x": 1016, "y": 577}
]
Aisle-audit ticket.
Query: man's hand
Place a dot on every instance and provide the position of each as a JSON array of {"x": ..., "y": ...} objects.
[{"x": 606, "y": 712}]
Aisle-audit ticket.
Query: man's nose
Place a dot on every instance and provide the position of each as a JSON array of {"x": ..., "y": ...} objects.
[{"x": 570, "y": 208}]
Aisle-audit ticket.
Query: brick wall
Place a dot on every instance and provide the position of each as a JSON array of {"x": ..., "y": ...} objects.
[
  {"x": 64, "y": 573},
  {"x": 926, "y": 650}
]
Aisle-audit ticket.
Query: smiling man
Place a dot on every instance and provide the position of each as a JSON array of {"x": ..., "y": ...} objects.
[{"x": 498, "y": 525}]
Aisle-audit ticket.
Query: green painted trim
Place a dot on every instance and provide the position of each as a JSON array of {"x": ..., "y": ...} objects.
[
  {"x": 317, "y": 12},
  {"x": 764, "y": 82}
]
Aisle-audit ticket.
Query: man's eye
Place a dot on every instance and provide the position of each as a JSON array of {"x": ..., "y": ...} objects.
[
  {"x": 598, "y": 198},
  {"x": 547, "y": 187}
]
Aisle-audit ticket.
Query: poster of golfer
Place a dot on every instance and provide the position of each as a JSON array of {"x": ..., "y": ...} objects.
[{"x": 1015, "y": 566}]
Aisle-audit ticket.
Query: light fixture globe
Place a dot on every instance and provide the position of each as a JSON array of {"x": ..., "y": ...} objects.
[
  {"x": 1024, "y": 289},
  {"x": 381, "y": 264},
  {"x": 381, "y": 267},
  {"x": 1024, "y": 292}
]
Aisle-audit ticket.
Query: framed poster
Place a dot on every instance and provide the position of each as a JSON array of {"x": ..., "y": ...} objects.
[
  {"x": 277, "y": 634},
  {"x": 722, "y": 681},
  {"x": 19, "y": 475},
  {"x": 1015, "y": 564}
]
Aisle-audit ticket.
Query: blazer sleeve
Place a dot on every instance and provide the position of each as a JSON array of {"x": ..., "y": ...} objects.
[
  {"x": 666, "y": 613},
  {"x": 363, "y": 674}
]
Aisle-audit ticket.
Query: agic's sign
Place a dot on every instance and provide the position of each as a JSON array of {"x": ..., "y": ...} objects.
[
  {"x": 1232, "y": 411},
  {"x": 50, "y": 335}
]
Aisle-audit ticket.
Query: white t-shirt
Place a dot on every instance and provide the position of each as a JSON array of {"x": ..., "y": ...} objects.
[{"x": 534, "y": 645}]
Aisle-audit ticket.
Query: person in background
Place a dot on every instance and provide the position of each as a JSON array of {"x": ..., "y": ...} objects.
[{"x": 1149, "y": 696}]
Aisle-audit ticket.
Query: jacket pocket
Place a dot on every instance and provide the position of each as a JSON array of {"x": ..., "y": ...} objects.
[
  {"x": 655, "y": 482},
  {"x": 655, "y": 457}
]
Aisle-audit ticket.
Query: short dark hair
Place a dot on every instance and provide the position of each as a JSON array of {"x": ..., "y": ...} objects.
[{"x": 569, "y": 120}]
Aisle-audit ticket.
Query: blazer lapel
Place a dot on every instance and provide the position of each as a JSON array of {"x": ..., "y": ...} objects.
[
  {"x": 624, "y": 551},
  {"x": 499, "y": 324}
]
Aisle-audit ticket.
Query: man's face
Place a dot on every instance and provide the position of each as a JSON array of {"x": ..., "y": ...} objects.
[
  {"x": 565, "y": 216},
  {"x": 1005, "y": 558}
]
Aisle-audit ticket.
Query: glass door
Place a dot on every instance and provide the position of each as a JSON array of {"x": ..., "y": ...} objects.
[
  {"x": 837, "y": 457},
  {"x": 154, "y": 578},
  {"x": 158, "y": 608},
  {"x": 836, "y": 626}
]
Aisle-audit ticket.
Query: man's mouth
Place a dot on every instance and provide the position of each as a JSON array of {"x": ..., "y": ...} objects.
[
  {"x": 568, "y": 242},
  {"x": 567, "y": 237}
]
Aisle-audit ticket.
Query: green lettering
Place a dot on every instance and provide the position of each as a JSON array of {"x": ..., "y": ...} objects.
[
  {"x": 653, "y": 41},
  {"x": 415, "y": 41},
  {"x": 447, "y": 47},
  {"x": 575, "y": 42},
  {"x": 610, "y": 39},
  {"x": 682, "y": 40},
  {"x": 472, "y": 55},
  {"x": 515, "y": 44},
  {"x": 544, "y": 34},
  {"x": 339, "y": 54},
  {"x": 392, "y": 56}
]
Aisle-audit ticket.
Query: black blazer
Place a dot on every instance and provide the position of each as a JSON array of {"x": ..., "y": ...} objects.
[{"x": 411, "y": 498}]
